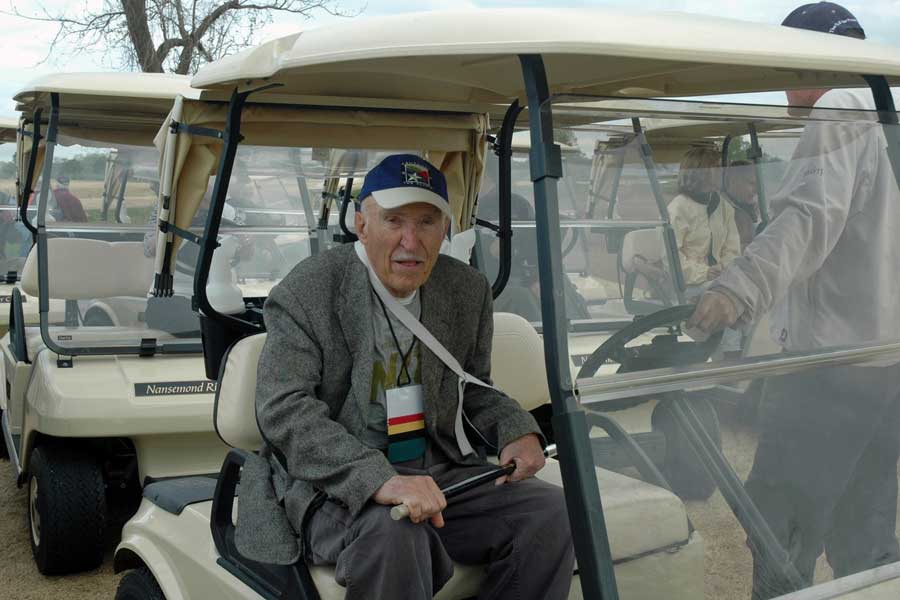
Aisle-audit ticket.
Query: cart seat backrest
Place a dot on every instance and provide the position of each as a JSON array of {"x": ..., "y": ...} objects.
[
  {"x": 517, "y": 369},
  {"x": 643, "y": 243},
  {"x": 83, "y": 269}
]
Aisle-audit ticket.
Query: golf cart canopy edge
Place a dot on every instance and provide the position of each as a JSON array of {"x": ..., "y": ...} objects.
[{"x": 467, "y": 57}]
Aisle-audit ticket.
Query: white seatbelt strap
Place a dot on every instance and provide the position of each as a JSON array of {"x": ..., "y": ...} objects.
[{"x": 423, "y": 335}]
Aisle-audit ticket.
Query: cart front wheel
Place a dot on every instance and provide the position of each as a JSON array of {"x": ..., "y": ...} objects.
[
  {"x": 139, "y": 584},
  {"x": 66, "y": 510}
]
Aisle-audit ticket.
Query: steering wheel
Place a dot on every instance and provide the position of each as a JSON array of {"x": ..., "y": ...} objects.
[{"x": 666, "y": 350}]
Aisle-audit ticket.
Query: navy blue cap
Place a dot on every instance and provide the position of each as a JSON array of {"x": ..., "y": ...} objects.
[
  {"x": 402, "y": 179},
  {"x": 826, "y": 17}
]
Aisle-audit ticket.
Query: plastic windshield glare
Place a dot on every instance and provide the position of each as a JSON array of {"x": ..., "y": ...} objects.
[
  {"x": 455, "y": 143},
  {"x": 777, "y": 433}
]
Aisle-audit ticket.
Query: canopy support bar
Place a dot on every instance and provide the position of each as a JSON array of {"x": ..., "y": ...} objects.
[
  {"x": 570, "y": 426},
  {"x": 231, "y": 139},
  {"x": 26, "y": 188},
  {"x": 887, "y": 115},
  {"x": 756, "y": 156},
  {"x": 668, "y": 233},
  {"x": 503, "y": 148}
]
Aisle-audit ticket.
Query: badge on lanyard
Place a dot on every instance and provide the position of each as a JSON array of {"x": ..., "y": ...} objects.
[{"x": 406, "y": 423}]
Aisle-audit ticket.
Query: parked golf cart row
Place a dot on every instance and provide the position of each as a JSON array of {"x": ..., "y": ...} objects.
[{"x": 139, "y": 398}]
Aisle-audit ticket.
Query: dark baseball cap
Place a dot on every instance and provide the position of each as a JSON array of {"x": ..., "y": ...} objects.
[
  {"x": 826, "y": 17},
  {"x": 402, "y": 179}
]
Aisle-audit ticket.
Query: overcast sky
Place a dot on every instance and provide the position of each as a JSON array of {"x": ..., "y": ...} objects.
[{"x": 25, "y": 43}]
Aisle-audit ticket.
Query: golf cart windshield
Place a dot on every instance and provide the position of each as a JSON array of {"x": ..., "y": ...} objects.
[
  {"x": 15, "y": 240},
  {"x": 657, "y": 221},
  {"x": 99, "y": 214}
]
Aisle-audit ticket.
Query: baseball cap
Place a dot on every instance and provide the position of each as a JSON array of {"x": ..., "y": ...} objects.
[
  {"x": 402, "y": 179},
  {"x": 826, "y": 17}
]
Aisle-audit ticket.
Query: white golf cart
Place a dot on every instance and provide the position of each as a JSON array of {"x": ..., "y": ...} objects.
[
  {"x": 639, "y": 543},
  {"x": 113, "y": 394}
]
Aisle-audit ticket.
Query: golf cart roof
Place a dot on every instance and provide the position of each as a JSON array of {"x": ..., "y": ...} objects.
[
  {"x": 469, "y": 57},
  {"x": 8, "y": 127},
  {"x": 104, "y": 107},
  {"x": 137, "y": 92}
]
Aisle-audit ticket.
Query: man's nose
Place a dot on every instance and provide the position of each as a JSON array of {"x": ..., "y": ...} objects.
[{"x": 410, "y": 237}]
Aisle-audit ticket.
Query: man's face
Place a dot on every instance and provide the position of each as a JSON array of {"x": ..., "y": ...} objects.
[
  {"x": 742, "y": 188},
  {"x": 799, "y": 99},
  {"x": 402, "y": 243}
]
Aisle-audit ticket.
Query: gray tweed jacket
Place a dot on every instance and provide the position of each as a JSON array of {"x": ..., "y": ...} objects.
[{"x": 313, "y": 388}]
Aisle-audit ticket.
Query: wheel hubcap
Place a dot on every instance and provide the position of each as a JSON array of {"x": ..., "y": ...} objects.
[{"x": 33, "y": 510}]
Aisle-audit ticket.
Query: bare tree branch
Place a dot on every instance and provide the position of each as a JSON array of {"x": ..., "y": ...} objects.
[{"x": 167, "y": 35}]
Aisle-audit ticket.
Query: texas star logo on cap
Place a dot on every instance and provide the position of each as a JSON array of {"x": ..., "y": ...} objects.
[{"x": 416, "y": 174}]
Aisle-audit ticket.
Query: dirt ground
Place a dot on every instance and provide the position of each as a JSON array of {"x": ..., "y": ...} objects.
[{"x": 727, "y": 558}]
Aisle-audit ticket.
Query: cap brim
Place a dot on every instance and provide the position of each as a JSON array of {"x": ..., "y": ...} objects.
[{"x": 397, "y": 197}]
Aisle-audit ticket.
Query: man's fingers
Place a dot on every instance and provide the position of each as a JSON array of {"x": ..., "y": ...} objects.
[{"x": 437, "y": 520}]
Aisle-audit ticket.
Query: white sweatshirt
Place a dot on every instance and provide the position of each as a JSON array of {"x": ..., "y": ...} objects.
[{"x": 829, "y": 261}]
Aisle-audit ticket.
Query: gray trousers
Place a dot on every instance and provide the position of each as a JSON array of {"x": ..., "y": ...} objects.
[
  {"x": 519, "y": 530},
  {"x": 825, "y": 472}
]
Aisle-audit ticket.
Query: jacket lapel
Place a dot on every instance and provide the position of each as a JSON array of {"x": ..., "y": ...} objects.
[{"x": 355, "y": 314}]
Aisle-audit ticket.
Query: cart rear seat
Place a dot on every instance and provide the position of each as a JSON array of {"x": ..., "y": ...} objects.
[{"x": 630, "y": 505}]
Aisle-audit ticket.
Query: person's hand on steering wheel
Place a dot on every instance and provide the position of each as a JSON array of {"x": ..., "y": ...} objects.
[{"x": 715, "y": 311}]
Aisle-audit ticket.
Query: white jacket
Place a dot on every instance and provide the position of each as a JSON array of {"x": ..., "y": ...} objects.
[
  {"x": 829, "y": 261},
  {"x": 694, "y": 230}
]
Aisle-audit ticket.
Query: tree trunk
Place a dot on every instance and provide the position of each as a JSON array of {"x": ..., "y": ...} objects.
[{"x": 139, "y": 32}]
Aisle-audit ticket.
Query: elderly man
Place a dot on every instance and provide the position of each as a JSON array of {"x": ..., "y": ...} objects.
[
  {"x": 360, "y": 414},
  {"x": 825, "y": 472}
]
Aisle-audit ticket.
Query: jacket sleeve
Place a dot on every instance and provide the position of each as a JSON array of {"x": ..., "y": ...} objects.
[
  {"x": 497, "y": 416},
  {"x": 296, "y": 424},
  {"x": 694, "y": 269},
  {"x": 813, "y": 205}
]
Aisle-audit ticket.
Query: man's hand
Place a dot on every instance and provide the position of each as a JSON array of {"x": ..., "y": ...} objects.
[
  {"x": 528, "y": 455},
  {"x": 418, "y": 492},
  {"x": 715, "y": 311}
]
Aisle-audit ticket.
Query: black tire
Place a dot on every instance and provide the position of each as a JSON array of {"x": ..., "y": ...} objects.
[
  {"x": 681, "y": 467},
  {"x": 139, "y": 584},
  {"x": 4, "y": 451},
  {"x": 66, "y": 510}
]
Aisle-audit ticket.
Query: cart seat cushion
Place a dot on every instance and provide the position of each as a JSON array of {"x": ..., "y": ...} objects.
[
  {"x": 82, "y": 269},
  {"x": 518, "y": 369},
  {"x": 643, "y": 243},
  {"x": 517, "y": 361}
]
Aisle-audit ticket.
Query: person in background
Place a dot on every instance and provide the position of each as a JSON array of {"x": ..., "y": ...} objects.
[
  {"x": 68, "y": 206},
  {"x": 740, "y": 191},
  {"x": 825, "y": 472},
  {"x": 704, "y": 226}
]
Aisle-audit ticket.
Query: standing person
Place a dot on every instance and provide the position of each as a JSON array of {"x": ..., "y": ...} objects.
[
  {"x": 825, "y": 471},
  {"x": 704, "y": 226},
  {"x": 359, "y": 415},
  {"x": 68, "y": 205},
  {"x": 740, "y": 191}
]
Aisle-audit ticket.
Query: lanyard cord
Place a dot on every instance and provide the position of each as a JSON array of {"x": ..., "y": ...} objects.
[{"x": 404, "y": 368}]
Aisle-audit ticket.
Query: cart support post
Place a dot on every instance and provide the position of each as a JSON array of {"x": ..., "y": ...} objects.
[
  {"x": 504, "y": 186},
  {"x": 26, "y": 188},
  {"x": 887, "y": 115},
  {"x": 231, "y": 139},
  {"x": 757, "y": 156},
  {"x": 570, "y": 427}
]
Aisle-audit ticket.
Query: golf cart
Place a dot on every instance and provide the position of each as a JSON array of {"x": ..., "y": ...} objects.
[
  {"x": 114, "y": 394},
  {"x": 639, "y": 542}
]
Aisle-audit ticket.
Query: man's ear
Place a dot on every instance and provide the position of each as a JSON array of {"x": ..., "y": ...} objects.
[{"x": 359, "y": 222}]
